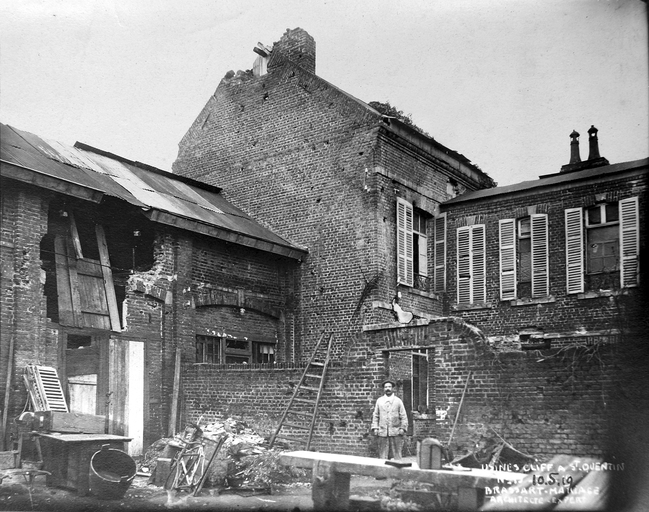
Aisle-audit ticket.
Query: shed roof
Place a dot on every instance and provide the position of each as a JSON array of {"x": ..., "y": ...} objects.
[{"x": 88, "y": 173}]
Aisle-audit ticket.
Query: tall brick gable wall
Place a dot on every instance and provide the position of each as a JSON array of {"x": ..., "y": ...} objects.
[{"x": 324, "y": 170}]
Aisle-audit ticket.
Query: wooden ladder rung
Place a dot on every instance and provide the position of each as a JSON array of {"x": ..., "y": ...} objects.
[
  {"x": 305, "y": 400},
  {"x": 309, "y": 388},
  {"x": 313, "y": 376},
  {"x": 295, "y": 425},
  {"x": 300, "y": 413},
  {"x": 288, "y": 438},
  {"x": 317, "y": 363}
]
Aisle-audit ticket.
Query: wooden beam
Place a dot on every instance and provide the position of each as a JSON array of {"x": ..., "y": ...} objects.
[
  {"x": 173, "y": 415},
  {"x": 109, "y": 286},
  {"x": 66, "y": 309}
]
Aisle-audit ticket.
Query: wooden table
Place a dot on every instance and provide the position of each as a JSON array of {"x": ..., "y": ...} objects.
[
  {"x": 332, "y": 473},
  {"x": 67, "y": 457}
]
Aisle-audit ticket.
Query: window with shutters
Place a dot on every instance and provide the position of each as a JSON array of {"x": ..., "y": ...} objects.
[
  {"x": 602, "y": 246},
  {"x": 412, "y": 246},
  {"x": 222, "y": 350},
  {"x": 440, "y": 254},
  {"x": 524, "y": 261},
  {"x": 471, "y": 264}
]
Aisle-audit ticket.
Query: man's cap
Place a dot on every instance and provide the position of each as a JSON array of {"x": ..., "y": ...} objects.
[{"x": 394, "y": 384}]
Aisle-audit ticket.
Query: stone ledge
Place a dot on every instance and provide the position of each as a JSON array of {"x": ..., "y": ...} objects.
[
  {"x": 531, "y": 302},
  {"x": 471, "y": 307},
  {"x": 395, "y": 325},
  {"x": 601, "y": 293}
]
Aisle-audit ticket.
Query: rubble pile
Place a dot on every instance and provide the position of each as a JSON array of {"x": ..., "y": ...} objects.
[{"x": 244, "y": 460}]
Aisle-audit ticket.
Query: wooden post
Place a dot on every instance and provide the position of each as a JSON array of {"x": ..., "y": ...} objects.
[
  {"x": 329, "y": 489},
  {"x": 173, "y": 416}
]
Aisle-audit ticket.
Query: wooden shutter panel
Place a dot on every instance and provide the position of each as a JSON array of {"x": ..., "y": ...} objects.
[
  {"x": 574, "y": 250},
  {"x": 540, "y": 274},
  {"x": 464, "y": 265},
  {"x": 404, "y": 243},
  {"x": 440, "y": 253},
  {"x": 629, "y": 242},
  {"x": 423, "y": 255},
  {"x": 507, "y": 259},
  {"x": 478, "y": 264}
]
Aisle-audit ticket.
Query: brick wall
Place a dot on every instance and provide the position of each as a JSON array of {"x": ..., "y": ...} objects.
[
  {"x": 323, "y": 170},
  {"x": 24, "y": 222},
  {"x": 258, "y": 396},
  {"x": 563, "y": 313},
  {"x": 544, "y": 403}
]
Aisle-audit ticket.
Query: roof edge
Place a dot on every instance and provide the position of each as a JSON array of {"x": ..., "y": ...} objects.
[{"x": 150, "y": 168}]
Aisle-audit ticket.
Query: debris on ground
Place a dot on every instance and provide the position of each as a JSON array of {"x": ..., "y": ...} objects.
[
  {"x": 497, "y": 454},
  {"x": 244, "y": 460}
]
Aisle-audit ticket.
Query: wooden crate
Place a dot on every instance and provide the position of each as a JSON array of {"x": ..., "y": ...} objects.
[{"x": 69, "y": 422}]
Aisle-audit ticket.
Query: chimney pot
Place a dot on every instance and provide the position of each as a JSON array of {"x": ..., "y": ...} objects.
[
  {"x": 593, "y": 144},
  {"x": 574, "y": 148}
]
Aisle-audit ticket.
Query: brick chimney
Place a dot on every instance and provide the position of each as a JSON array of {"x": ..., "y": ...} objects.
[
  {"x": 594, "y": 160},
  {"x": 297, "y": 46}
]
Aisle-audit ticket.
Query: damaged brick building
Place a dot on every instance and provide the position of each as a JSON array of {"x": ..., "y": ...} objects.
[
  {"x": 105, "y": 262},
  {"x": 379, "y": 206},
  {"x": 364, "y": 227}
]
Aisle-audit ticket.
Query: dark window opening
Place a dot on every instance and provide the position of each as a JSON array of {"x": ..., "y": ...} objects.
[
  {"x": 78, "y": 341},
  {"x": 602, "y": 246},
  {"x": 220, "y": 350},
  {"x": 48, "y": 264},
  {"x": 420, "y": 380}
]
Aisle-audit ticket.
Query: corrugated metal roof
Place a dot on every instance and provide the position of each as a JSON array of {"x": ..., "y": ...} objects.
[{"x": 194, "y": 205}]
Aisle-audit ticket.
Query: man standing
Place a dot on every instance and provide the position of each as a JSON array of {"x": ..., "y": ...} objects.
[{"x": 389, "y": 422}]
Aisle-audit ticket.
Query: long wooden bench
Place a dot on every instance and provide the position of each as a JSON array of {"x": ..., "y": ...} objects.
[{"x": 332, "y": 475}]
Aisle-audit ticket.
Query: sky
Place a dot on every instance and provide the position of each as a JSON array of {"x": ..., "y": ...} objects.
[{"x": 504, "y": 82}]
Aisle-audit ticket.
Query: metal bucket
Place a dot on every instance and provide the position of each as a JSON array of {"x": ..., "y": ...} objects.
[{"x": 111, "y": 473}]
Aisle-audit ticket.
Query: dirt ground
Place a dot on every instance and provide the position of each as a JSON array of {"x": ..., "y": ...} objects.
[{"x": 17, "y": 495}]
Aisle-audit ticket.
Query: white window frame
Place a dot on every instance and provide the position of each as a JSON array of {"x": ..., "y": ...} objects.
[
  {"x": 471, "y": 264},
  {"x": 629, "y": 245},
  {"x": 540, "y": 255},
  {"x": 405, "y": 267},
  {"x": 440, "y": 253}
]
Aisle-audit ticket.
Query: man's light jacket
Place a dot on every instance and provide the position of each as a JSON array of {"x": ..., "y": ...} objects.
[{"x": 389, "y": 416}]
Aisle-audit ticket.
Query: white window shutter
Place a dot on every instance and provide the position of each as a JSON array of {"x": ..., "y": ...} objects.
[
  {"x": 507, "y": 230},
  {"x": 423, "y": 255},
  {"x": 478, "y": 264},
  {"x": 574, "y": 250},
  {"x": 540, "y": 242},
  {"x": 629, "y": 241},
  {"x": 404, "y": 243},
  {"x": 464, "y": 265},
  {"x": 440, "y": 253}
]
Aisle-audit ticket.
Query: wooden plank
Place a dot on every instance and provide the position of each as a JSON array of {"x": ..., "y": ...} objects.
[
  {"x": 66, "y": 311},
  {"x": 108, "y": 279},
  {"x": 70, "y": 422},
  {"x": 369, "y": 466},
  {"x": 135, "y": 397},
  {"x": 74, "y": 232},
  {"x": 173, "y": 416},
  {"x": 82, "y": 361},
  {"x": 117, "y": 386},
  {"x": 74, "y": 285}
]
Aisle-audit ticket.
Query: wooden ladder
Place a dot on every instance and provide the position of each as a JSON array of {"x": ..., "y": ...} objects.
[{"x": 311, "y": 383}]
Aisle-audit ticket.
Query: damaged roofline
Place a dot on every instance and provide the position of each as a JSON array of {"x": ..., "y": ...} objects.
[
  {"x": 38, "y": 179},
  {"x": 417, "y": 138},
  {"x": 225, "y": 235}
]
